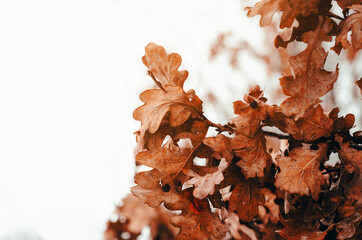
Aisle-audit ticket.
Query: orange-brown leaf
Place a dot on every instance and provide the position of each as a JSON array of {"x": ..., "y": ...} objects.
[
  {"x": 299, "y": 173},
  {"x": 164, "y": 66},
  {"x": 351, "y": 158},
  {"x": 245, "y": 200},
  {"x": 205, "y": 225},
  {"x": 354, "y": 24},
  {"x": 314, "y": 124},
  {"x": 253, "y": 155},
  {"x": 221, "y": 147},
  {"x": 205, "y": 185},
  {"x": 164, "y": 159},
  {"x": 173, "y": 107},
  {"x": 290, "y": 9},
  {"x": 250, "y": 113},
  {"x": 310, "y": 80}
]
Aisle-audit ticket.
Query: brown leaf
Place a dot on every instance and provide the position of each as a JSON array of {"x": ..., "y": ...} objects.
[
  {"x": 165, "y": 160},
  {"x": 299, "y": 173},
  {"x": 221, "y": 146},
  {"x": 173, "y": 107},
  {"x": 205, "y": 225},
  {"x": 245, "y": 199},
  {"x": 309, "y": 81},
  {"x": 237, "y": 230},
  {"x": 250, "y": 113},
  {"x": 270, "y": 210},
  {"x": 205, "y": 185},
  {"x": 149, "y": 191},
  {"x": 351, "y": 158},
  {"x": 348, "y": 226},
  {"x": 164, "y": 66},
  {"x": 301, "y": 233},
  {"x": 285, "y": 124},
  {"x": 253, "y": 154},
  {"x": 353, "y": 23},
  {"x": 290, "y": 9},
  {"x": 314, "y": 124}
]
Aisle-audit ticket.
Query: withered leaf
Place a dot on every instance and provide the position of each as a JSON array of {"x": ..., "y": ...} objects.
[
  {"x": 205, "y": 185},
  {"x": 348, "y": 226},
  {"x": 302, "y": 233},
  {"x": 353, "y": 23},
  {"x": 314, "y": 124},
  {"x": 253, "y": 154},
  {"x": 310, "y": 81},
  {"x": 150, "y": 192},
  {"x": 270, "y": 210},
  {"x": 290, "y": 9},
  {"x": 164, "y": 66},
  {"x": 205, "y": 225},
  {"x": 173, "y": 107},
  {"x": 245, "y": 200},
  {"x": 250, "y": 113},
  {"x": 238, "y": 230},
  {"x": 164, "y": 159},
  {"x": 351, "y": 158},
  {"x": 299, "y": 173},
  {"x": 221, "y": 146}
]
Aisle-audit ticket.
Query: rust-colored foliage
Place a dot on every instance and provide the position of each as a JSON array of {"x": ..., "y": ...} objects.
[{"x": 239, "y": 184}]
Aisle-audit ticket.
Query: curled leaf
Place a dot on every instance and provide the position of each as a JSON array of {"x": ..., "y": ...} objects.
[{"x": 205, "y": 185}]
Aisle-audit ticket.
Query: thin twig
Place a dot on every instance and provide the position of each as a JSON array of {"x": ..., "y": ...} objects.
[
  {"x": 277, "y": 135},
  {"x": 330, "y": 14}
]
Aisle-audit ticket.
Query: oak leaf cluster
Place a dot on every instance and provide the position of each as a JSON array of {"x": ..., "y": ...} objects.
[{"x": 245, "y": 182}]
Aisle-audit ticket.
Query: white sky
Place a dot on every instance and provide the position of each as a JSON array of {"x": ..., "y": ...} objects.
[{"x": 70, "y": 76}]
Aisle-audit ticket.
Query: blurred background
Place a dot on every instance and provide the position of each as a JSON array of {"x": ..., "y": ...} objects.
[{"x": 70, "y": 76}]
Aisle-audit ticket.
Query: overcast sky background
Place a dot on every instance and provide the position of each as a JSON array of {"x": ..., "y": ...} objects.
[{"x": 70, "y": 76}]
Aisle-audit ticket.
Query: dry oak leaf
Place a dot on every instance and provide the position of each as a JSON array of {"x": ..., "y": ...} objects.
[
  {"x": 201, "y": 226},
  {"x": 238, "y": 230},
  {"x": 342, "y": 124},
  {"x": 290, "y": 9},
  {"x": 192, "y": 129},
  {"x": 253, "y": 154},
  {"x": 245, "y": 200},
  {"x": 309, "y": 81},
  {"x": 314, "y": 124},
  {"x": 205, "y": 185},
  {"x": 173, "y": 106},
  {"x": 299, "y": 173},
  {"x": 351, "y": 158},
  {"x": 285, "y": 124},
  {"x": 138, "y": 215},
  {"x": 299, "y": 233},
  {"x": 221, "y": 147},
  {"x": 353, "y": 23},
  {"x": 250, "y": 113},
  {"x": 270, "y": 210},
  {"x": 165, "y": 160},
  {"x": 150, "y": 192},
  {"x": 164, "y": 66}
]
